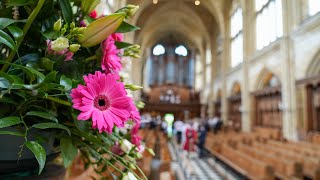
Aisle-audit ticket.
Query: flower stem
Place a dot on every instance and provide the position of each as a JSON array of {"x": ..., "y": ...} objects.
[
  {"x": 57, "y": 100},
  {"x": 91, "y": 58},
  {"x": 25, "y": 29}
]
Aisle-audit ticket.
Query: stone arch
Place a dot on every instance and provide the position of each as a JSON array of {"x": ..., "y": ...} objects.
[
  {"x": 236, "y": 89},
  {"x": 264, "y": 78}
]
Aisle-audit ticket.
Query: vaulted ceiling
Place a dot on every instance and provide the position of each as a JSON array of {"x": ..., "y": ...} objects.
[{"x": 179, "y": 19}]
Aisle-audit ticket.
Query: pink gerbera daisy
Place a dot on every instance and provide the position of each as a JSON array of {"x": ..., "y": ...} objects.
[
  {"x": 103, "y": 99},
  {"x": 110, "y": 59},
  {"x": 115, "y": 37},
  {"x": 134, "y": 113},
  {"x": 135, "y": 138}
]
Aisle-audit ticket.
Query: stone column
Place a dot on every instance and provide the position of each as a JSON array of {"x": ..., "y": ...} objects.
[
  {"x": 225, "y": 69},
  {"x": 248, "y": 48},
  {"x": 288, "y": 90}
]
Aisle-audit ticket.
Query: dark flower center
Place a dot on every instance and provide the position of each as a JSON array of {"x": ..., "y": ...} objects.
[{"x": 101, "y": 102}]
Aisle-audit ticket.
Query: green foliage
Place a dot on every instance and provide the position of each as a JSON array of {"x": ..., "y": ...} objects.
[
  {"x": 126, "y": 27},
  {"x": 42, "y": 114},
  {"x": 66, "y": 10},
  {"x": 38, "y": 152},
  {"x": 51, "y": 126},
  {"x": 68, "y": 151},
  {"x": 35, "y": 81},
  {"x": 9, "y": 121},
  {"x": 7, "y": 40}
]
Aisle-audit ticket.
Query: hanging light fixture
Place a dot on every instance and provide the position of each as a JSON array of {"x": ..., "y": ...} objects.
[
  {"x": 155, "y": 1},
  {"x": 197, "y": 2}
]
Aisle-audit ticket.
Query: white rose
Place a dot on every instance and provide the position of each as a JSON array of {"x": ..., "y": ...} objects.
[
  {"x": 60, "y": 44},
  {"x": 126, "y": 146},
  {"x": 129, "y": 176}
]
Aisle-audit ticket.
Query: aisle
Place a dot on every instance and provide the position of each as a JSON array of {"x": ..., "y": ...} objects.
[{"x": 195, "y": 168}]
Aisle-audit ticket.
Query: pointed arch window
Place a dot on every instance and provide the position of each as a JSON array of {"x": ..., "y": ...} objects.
[
  {"x": 236, "y": 38},
  {"x": 268, "y": 22},
  {"x": 181, "y": 50},
  {"x": 158, "y": 50}
]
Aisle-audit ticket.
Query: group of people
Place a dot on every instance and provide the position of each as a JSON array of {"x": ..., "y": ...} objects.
[
  {"x": 193, "y": 133},
  {"x": 189, "y": 134}
]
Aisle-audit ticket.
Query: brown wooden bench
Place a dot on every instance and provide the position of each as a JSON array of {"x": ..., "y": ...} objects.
[
  {"x": 295, "y": 147},
  {"x": 246, "y": 165},
  {"x": 268, "y": 133},
  {"x": 311, "y": 166},
  {"x": 284, "y": 168}
]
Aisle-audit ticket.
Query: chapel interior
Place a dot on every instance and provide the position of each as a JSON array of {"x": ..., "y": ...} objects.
[{"x": 254, "y": 64}]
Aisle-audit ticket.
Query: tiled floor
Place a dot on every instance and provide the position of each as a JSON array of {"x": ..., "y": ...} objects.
[{"x": 195, "y": 168}]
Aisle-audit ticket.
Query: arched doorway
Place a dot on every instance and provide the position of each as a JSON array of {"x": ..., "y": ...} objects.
[{"x": 267, "y": 102}]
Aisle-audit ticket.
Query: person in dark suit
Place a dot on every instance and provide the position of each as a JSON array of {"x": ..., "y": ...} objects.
[{"x": 202, "y": 140}]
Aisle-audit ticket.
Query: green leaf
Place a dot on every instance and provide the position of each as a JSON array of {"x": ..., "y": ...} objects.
[
  {"x": 121, "y": 45},
  {"x": 20, "y": 2},
  {"x": 9, "y": 121},
  {"x": 7, "y": 76},
  {"x": 38, "y": 152},
  {"x": 81, "y": 125},
  {"x": 4, "y": 83},
  {"x": 31, "y": 72},
  {"x": 66, "y": 10},
  {"x": 4, "y": 22},
  {"x": 51, "y": 125},
  {"x": 7, "y": 40},
  {"x": 47, "y": 63},
  {"x": 15, "y": 31},
  {"x": 14, "y": 133},
  {"x": 42, "y": 114},
  {"x": 7, "y": 100},
  {"x": 126, "y": 27},
  {"x": 68, "y": 151},
  {"x": 66, "y": 82}
]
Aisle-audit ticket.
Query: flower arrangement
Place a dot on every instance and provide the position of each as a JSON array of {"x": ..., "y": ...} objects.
[{"x": 60, "y": 67}]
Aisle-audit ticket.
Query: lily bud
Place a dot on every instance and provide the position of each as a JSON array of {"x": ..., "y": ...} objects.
[
  {"x": 88, "y": 5},
  {"x": 100, "y": 29},
  {"x": 150, "y": 151},
  {"x": 60, "y": 44},
  {"x": 137, "y": 56},
  {"x": 57, "y": 25},
  {"x": 133, "y": 87},
  {"x": 125, "y": 145},
  {"x": 132, "y": 9},
  {"x": 63, "y": 30},
  {"x": 139, "y": 155},
  {"x": 140, "y": 105},
  {"x": 132, "y": 166},
  {"x": 72, "y": 25},
  {"x": 74, "y": 47},
  {"x": 129, "y": 10},
  {"x": 129, "y": 176}
]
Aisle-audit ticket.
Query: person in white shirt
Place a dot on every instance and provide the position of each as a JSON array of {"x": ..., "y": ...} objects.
[{"x": 178, "y": 126}]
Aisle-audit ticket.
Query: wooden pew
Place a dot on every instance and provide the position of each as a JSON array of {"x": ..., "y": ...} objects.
[
  {"x": 311, "y": 166},
  {"x": 246, "y": 165},
  {"x": 295, "y": 147},
  {"x": 284, "y": 168}
]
